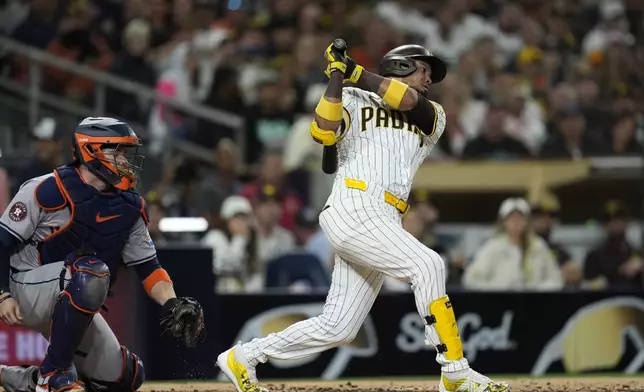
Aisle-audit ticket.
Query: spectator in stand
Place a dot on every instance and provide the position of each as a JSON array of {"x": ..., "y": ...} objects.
[
  {"x": 77, "y": 40},
  {"x": 311, "y": 238},
  {"x": 598, "y": 118},
  {"x": 524, "y": 120},
  {"x": 156, "y": 212},
  {"x": 272, "y": 239},
  {"x": 515, "y": 258},
  {"x": 445, "y": 245},
  {"x": 48, "y": 133},
  {"x": 271, "y": 173},
  {"x": 464, "y": 115},
  {"x": 40, "y": 26},
  {"x": 493, "y": 142},
  {"x": 616, "y": 263},
  {"x": 624, "y": 137},
  {"x": 268, "y": 123},
  {"x": 301, "y": 150},
  {"x": 571, "y": 139},
  {"x": 235, "y": 260},
  {"x": 133, "y": 65},
  {"x": 220, "y": 182},
  {"x": 544, "y": 218}
]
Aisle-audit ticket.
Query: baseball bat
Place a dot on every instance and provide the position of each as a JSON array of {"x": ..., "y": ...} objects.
[
  {"x": 330, "y": 153},
  {"x": 330, "y": 159}
]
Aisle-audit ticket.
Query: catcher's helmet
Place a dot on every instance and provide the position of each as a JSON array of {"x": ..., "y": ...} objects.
[
  {"x": 400, "y": 62},
  {"x": 96, "y": 136}
]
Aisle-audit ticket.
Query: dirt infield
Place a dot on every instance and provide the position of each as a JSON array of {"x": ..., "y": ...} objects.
[{"x": 585, "y": 384}]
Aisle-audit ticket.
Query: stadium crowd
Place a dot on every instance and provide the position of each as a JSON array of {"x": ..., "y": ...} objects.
[{"x": 528, "y": 79}]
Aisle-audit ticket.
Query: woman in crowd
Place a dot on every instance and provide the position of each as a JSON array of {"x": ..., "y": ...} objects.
[
  {"x": 515, "y": 258},
  {"x": 234, "y": 248}
]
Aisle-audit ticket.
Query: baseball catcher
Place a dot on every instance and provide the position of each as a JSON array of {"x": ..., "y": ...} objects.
[
  {"x": 376, "y": 135},
  {"x": 61, "y": 242}
]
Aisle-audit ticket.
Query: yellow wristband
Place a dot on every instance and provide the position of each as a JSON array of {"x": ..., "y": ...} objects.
[
  {"x": 328, "y": 110},
  {"x": 395, "y": 93}
]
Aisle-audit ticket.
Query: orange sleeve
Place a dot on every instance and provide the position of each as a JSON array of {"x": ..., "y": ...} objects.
[{"x": 155, "y": 277}]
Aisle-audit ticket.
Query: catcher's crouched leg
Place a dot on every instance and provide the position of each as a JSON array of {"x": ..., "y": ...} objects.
[
  {"x": 83, "y": 296},
  {"x": 131, "y": 378}
]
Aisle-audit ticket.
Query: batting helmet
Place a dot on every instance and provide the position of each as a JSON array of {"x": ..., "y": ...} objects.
[
  {"x": 400, "y": 62},
  {"x": 96, "y": 143}
]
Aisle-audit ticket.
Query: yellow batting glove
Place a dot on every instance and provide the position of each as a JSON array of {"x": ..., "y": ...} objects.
[
  {"x": 335, "y": 66},
  {"x": 331, "y": 54},
  {"x": 353, "y": 72}
]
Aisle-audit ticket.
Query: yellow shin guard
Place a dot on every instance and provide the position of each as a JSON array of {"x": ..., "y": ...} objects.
[{"x": 444, "y": 321}]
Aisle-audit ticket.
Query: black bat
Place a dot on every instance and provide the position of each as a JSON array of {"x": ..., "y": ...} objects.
[
  {"x": 340, "y": 45},
  {"x": 330, "y": 159}
]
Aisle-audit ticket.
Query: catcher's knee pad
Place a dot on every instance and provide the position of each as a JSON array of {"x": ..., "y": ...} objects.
[
  {"x": 442, "y": 318},
  {"x": 89, "y": 284}
]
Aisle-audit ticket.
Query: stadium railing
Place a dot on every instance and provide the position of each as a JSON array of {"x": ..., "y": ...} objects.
[{"x": 36, "y": 97}]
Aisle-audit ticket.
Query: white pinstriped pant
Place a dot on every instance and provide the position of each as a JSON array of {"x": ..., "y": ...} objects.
[{"x": 370, "y": 243}]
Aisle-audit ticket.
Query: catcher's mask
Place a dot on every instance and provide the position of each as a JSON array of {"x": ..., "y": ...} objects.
[
  {"x": 109, "y": 148},
  {"x": 400, "y": 62}
]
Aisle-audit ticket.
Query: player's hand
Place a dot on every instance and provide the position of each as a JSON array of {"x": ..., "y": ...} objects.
[
  {"x": 352, "y": 71},
  {"x": 10, "y": 310},
  {"x": 183, "y": 318},
  {"x": 335, "y": 59},
  {"x": 332, "y": 54}
]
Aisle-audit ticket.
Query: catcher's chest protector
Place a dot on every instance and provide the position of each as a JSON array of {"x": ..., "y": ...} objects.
[{"x": 100, "y": 222}]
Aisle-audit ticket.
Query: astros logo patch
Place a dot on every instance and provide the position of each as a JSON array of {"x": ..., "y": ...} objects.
[{"x": 18, "y": 212}]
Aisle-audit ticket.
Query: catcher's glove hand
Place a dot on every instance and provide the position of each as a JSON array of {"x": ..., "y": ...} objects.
[{"x": 183, "y": 317}]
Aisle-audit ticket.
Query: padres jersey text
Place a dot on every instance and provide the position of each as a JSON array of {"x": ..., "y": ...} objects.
[{"x": 379, "y": 145}]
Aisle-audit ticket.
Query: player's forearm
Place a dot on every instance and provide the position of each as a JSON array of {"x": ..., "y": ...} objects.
[
  {"x": 395, "y": 93},
  {"x": 162, "y": 291},
  {"x": 156, "y": 281},
  {"x": 328, "y": 114}
]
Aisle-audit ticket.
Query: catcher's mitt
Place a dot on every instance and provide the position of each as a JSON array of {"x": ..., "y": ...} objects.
[{"x": 183, "y": 317}]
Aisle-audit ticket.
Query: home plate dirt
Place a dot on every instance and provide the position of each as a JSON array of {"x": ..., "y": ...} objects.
[{"x": 585, "y": 384}]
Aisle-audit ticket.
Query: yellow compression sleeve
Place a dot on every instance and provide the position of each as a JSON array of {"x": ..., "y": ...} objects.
[
  {"x": 395, "y": 93},
  {"x": 330, "y": 111}
]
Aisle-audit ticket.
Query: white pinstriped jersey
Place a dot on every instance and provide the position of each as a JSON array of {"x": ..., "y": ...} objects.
[{"x": 378, "y": 145}]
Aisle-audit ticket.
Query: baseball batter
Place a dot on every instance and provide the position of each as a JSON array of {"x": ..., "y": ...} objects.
[
  {"x": 383, "y": 129},
  {"x": 62, "y": 240}
]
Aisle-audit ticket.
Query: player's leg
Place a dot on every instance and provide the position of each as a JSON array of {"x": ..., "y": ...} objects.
[
  {"x": 36, "y": 291},
  {"x": 384, "y": 245},
  {"x": 68, "y": 294},
  {"x": 353, "y": 290},
  {"x": 103, "y": 364},
  {"x": 77, "y": 304}
]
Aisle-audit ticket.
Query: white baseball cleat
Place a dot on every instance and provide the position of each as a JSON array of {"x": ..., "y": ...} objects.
[
  {"x": 234, "y": 365},
  {"x": 472, "y": 382}
]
